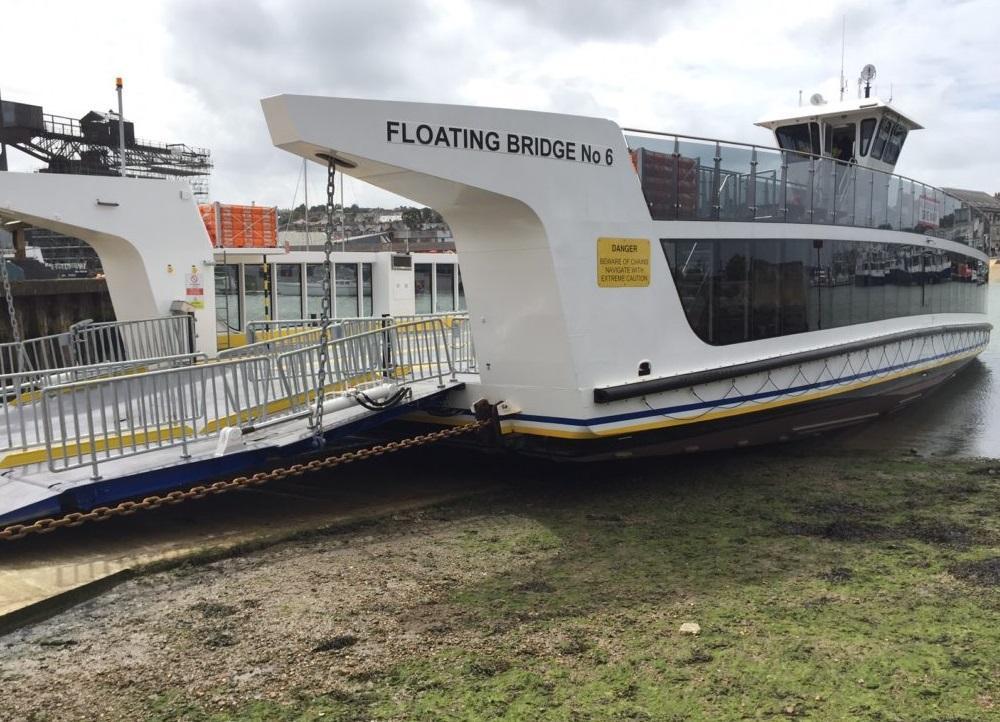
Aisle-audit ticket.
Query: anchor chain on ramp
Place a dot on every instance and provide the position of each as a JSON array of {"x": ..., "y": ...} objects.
[{"x": 103, "y": 513}]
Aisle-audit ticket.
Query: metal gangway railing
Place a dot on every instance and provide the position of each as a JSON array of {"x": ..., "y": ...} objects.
[
  {"x": 89, "y": 422},
  {"x": 87, "y": 343},
  {"x": 273, "y": 337}
]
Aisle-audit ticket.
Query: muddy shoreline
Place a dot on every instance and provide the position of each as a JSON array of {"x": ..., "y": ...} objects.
[{"x": 824, "y": 587}]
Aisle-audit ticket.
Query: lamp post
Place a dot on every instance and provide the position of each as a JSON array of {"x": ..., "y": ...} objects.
[{"x": 121, "y": 127}]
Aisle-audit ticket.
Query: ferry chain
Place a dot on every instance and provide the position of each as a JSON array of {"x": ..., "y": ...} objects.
[{"x": 103, "y": 513}]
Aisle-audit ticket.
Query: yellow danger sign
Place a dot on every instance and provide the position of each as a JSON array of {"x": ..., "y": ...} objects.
[{"x": 622, "y": 262}]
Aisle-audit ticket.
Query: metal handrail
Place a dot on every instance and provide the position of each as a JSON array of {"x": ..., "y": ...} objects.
[
  {"x": 398, "y": 353},
  {"x": 877, "y": 199}
]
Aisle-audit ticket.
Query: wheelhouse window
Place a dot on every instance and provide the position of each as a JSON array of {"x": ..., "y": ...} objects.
[
  {"x": 801, "y": 137},
  {"x": 895, "y": 144},
  {"x": 881, "y": 138},
  {"x": 867, "y": 133},
  {"x": 732, "y": 291}
]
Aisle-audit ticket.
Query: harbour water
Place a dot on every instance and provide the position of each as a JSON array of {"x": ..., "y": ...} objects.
[{"x": 961, "y": 418}]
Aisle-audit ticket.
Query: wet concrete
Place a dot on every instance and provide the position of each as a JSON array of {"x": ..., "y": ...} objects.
[{"x": 44, "y": 567}]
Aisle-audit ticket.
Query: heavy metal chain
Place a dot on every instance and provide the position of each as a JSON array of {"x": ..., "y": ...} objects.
[
  {"x": 15, "y": 329},
  {"x": 103, "y": 513},
  {"x": 326, "y": 314}
]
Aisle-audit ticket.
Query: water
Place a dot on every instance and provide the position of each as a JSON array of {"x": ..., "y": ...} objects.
[{"x": 961, "y": 417}]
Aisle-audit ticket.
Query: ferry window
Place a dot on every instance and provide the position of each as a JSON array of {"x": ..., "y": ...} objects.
[
  {"x": 227, "y": 298},
  {"x": 366, "y": 289},
  {"x": 257, "y": 291},
  {"x": 445, "y": 287},
  {"x": 346, "y": 290},
  {"x": 801, "y": 138},
  {"x": 733, "y": 291},
  {"x": 881, "y": 138},
  {"x": 867, "y": 131},
  {"x": 461, "y": 290},
  {"x": 315, "y": 273},
  {"x": 288, "y": 290},
  {"x": 422, "y": 291},
  {"x": 842, "y": 142},
  {"x": 895, "y": 144}
]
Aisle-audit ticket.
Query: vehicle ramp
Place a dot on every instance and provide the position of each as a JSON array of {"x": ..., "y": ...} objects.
[{"x": 88, "y": 436}]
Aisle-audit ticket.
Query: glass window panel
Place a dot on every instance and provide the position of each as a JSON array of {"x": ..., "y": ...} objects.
[
  {"x": 461, "y": 290},
  {"x": 738, "y": 290},
  {"x": 346, "y": 290},
  {"x": 867, "y": 133},
  {"x": 366, "y": 289},
  {"x": 731, "y": 297},
  {"x": 314, "y": 289},
  {"x": 288, "y": 290},
  {"x": 227, "y": 298},
  {"x": 881, "y": 138},
  {"x": 895, "y": 144},
  {"x": 799, "y": 188},
  {"x": 422, "y": 283},
  {"x": 445, "y": 287},
  {"x": 765, "y": 280},
  {"x": 258, "y": 302},
  {"x": 796, "y": 291}
]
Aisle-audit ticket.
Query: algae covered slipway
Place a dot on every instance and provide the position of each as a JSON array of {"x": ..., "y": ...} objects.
[{"x": 826, "y": 586}]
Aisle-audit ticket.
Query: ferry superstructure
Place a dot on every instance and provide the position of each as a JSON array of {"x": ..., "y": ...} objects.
[
  {"x": 634, "y": 292},
  {"x": 628, "y": 293}
]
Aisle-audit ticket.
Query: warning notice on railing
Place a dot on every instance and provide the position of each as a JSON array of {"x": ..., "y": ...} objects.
[{"x": 622, "y": 262}]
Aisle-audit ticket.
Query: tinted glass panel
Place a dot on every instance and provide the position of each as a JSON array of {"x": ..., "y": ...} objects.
[
  {"x": 867, "y": 132},
  {"x": 347, "y": 290},
  {"x": 314, "y": 289},
  {"x": 461, "y": 290},
  {"x": 802, "y": 138},
  {"x": 445, "y": 287},
  {"x": 289, "y": 290},
  {"x": 422, "y": 281},
  {"x": 741, "y": 290},
  {"x": 882, "y": 137},
  {"x": 366, "y": 289},
  {"x": 257, "y": 297},
  {"x": 227, "y": 298},
  {"x": 895, "y": 144}
]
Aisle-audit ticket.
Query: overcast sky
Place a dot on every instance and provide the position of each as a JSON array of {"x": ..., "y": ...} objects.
[{"x": 195, "y": 71}]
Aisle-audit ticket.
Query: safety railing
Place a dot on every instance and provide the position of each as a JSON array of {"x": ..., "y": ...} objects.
[
  {"x": 689, "y": 178},
  {"x": 89, "y": 343},
  {"x": 21, "y": 419},
  {"x": 400, "y": 353},
  {"x": 89, "y": 422}
]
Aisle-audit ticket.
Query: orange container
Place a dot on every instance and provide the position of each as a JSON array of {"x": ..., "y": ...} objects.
[{"x": 232, "y": 226}]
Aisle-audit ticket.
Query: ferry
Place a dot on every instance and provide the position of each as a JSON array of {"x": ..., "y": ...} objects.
[{"x": 616, "y": 293}]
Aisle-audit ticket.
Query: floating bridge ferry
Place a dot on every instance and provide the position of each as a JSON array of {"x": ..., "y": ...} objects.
[{"x": 628, "y": 293}]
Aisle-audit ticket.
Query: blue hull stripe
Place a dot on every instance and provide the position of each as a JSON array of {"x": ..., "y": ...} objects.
[{"x": 735, "y": 400}]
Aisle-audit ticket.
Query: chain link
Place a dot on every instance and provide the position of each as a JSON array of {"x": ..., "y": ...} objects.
[
  {"x": 15, "y": 329},
  {"x": 103, "y": 513},
  {"x": 326, "y": 312}
]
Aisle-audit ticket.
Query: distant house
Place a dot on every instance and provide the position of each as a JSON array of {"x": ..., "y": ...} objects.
[{"x": 987, "y": 207}]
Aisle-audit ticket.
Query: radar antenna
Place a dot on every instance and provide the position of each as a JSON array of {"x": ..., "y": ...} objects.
[
  {"x": 816, "y": 99},
  {"x": 867, "y": 75}
]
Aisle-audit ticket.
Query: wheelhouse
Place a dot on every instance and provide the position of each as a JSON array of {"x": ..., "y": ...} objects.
[{"x": 867, "y": 132}]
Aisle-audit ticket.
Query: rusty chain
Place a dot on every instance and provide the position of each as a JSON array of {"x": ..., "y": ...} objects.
[{"x": 103, "y": 513}]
